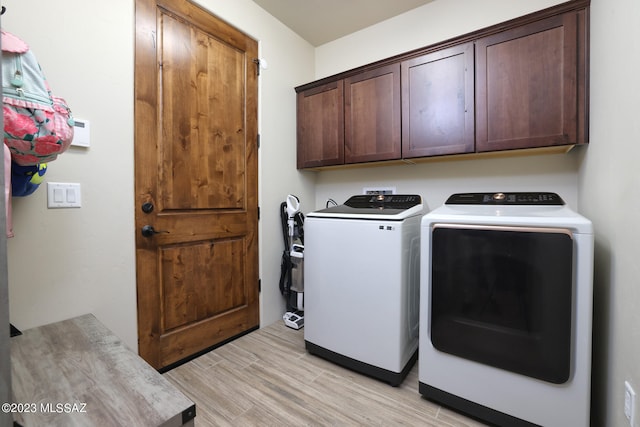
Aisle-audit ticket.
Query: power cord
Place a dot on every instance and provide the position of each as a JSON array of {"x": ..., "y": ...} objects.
[{"x": 332, "y": 202}]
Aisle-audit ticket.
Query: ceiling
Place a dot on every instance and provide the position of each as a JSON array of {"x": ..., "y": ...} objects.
[{"x": 321, "y": 21}]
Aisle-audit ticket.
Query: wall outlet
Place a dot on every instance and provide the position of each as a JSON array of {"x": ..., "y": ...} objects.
[
  {"x": 379, "y": 190},
  {"x": 629, "y": 403}
]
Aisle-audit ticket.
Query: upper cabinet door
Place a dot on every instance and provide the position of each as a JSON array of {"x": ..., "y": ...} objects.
[
  {"x": 372, "y": 115},
  {"x": 530, "y": 85},
  {"x": 438, "y": 103},
  {"x": 320, "y": 140}
]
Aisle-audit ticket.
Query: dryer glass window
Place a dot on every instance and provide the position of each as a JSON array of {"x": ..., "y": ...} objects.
[{"x": 502, "y": 296}]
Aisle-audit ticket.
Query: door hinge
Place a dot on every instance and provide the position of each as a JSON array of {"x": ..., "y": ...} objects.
[
  {"x": 258, "y": 140},
  {"x": 258, "y": 213},
  {"x": 259, "y": 285},
  {"x": 257, "y": 62}
]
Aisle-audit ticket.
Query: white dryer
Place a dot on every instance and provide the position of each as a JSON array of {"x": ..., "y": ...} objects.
[
  {"x": 506, "y": 309},
  {"x": 361, "y": 276}
]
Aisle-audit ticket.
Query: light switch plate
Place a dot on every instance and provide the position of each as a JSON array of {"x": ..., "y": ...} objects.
[{"x": 63, "y": 195}]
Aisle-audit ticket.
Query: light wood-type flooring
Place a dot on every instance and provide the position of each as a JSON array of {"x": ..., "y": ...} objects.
[{"x": 267, "y": 378}]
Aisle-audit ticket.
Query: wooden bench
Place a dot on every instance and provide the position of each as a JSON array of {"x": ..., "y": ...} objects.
[{"x": 78, "y": 373}]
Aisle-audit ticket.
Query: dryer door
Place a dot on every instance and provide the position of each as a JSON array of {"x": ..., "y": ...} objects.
[{"x": 502, "y": 296}]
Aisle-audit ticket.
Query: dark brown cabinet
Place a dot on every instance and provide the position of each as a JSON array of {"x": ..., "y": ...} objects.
[
  {"x": 530, "y": 85},
  {"x": 372, "y": 115},
  {"x": 321, "y": 126},
  {"x": 438, "y": 103},
  {"x": 520, "y": 84},
  {"x": 351, "y": 120}
]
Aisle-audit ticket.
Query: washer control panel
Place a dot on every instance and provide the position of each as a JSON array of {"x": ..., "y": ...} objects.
[
  {"x": 384, "y": 201},
  {"x": 534, "y": 198}
]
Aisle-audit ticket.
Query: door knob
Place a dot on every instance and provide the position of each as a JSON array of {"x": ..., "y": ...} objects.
[{"x": 148, "y": 231}]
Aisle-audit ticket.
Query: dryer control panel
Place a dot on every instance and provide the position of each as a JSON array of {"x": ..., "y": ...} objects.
[{"x": 533, "y": 198}]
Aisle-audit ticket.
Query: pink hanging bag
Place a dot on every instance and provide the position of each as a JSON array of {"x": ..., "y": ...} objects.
[{"x": 37, "y": 125}]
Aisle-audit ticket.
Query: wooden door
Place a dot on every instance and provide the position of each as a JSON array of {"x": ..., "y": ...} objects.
[
  {"x": 438, "y": 103},
  {"x": 530, "y": 85},
  {"x": 320, "y": 139},
  {"x": 372, "y": 115},
  {"x": 196, "y": 181}
]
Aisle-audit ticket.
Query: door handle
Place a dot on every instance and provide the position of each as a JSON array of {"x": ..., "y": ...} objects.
[{"x": 148, "y": 231}]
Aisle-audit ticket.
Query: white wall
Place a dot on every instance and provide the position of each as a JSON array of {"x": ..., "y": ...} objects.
[
  {"x": 67, "y": 262},
  {"x": 609, "y": 185},
  {"x": 437, "y": 181}
]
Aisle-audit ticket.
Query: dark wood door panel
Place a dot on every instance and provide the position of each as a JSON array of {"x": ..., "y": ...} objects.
[
  {"x": 203, "y": 133},
  {"x": 176, "y": 345},
  {"x": 438, "y": 103},
  {"x": 372, "y": 115},
  {"x": 201, "y": 280},
  {"x": 526, "y": 86},
  {"x": 321, "y": 126}
]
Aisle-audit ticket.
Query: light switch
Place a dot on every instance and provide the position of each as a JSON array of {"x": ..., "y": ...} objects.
[
  {"x": 58, "y": 195},
  {"x": 63, "y": 195},
  {"x": 71, "y": 195}
]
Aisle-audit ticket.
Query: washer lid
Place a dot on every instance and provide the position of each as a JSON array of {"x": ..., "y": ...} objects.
[{"x": 377, "y": 206}]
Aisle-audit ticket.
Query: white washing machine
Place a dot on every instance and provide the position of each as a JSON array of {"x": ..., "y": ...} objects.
[
  {"x": 506, "y": 309},
  {"x": 361, "y": 276}
]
